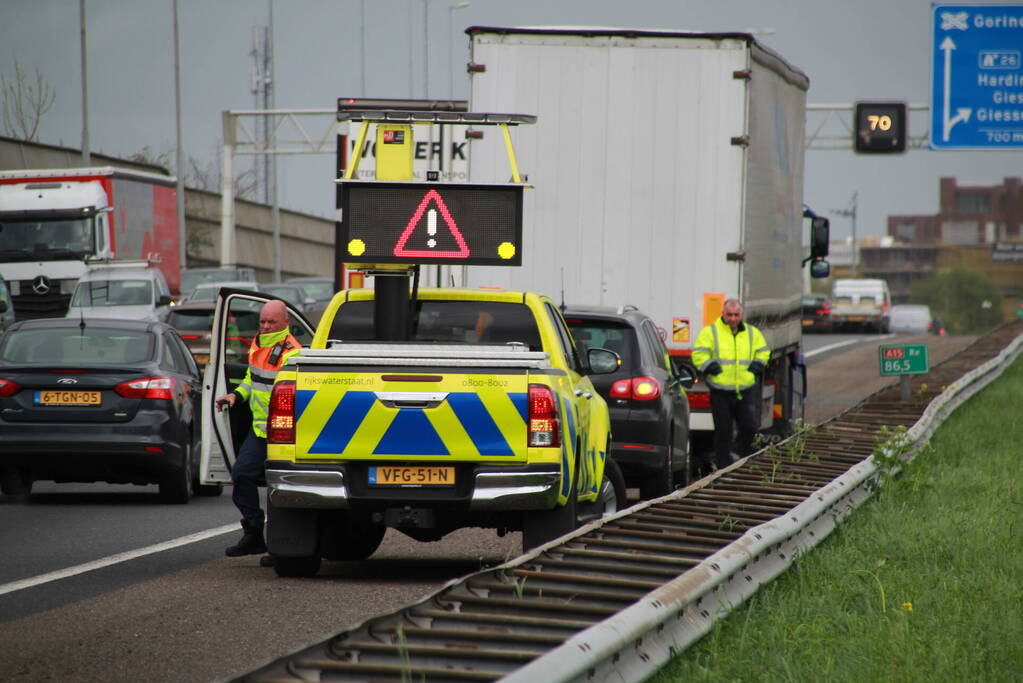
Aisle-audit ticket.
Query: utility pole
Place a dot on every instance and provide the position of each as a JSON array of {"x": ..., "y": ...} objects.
[
  {"x": 180, "y": 155},
  {"x": 851, "y": 213},
  {"x": 86, "y": 158}
]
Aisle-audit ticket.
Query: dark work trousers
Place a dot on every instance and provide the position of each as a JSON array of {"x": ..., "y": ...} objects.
[
  {"x": 248, "y": 475},
  {"x": 726, "y": 406}
]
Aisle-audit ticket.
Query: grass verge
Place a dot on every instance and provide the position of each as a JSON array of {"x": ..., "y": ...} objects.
[{"x": 923, "y": 583}]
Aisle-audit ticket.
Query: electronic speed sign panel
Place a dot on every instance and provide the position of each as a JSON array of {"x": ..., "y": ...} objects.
[
  {"x": 880, "y": 127},
  {"x": 430, "y": 223}
]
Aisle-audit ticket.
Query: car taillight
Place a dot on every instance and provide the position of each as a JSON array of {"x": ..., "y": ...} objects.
[
  {"x": 699, "y": 399},
  {"x": 544, "y": 425},
  {"x": 824, "y": 310},
  {"x": 280, "y": 422},
  {"x": 636, "y": 388},
  {"x": 150, "y": 387},
  {"x": 8, "y": 388}
]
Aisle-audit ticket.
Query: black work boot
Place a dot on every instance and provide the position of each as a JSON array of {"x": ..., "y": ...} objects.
[{"x": 251, "y": 542}]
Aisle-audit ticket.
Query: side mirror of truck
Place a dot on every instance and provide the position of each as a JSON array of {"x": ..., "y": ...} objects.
[
  {"x": 820, "y": 268},
  {"x": 820, "y": 236},
  {"x": 164, "y": 300},
  {"x": 602, "y": 361}
]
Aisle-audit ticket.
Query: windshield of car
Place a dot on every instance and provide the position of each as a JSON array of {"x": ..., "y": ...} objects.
[
  {"x": 461, "y": 322},
  {"x": 190, "y": 279},
  {"x": 287, "y": 292},
  {"x": 603, "y": 334},
  {"x": 61, "y": 346},
  {"x": 113, "y": 293},
  {"x": 321, "y": 291},
  {"x": 205, "y": 293}
]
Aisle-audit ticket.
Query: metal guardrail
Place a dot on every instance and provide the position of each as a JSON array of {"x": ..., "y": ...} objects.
[
  {"x": 638, "y": 641},
  {"x": 615, "y": 600}
]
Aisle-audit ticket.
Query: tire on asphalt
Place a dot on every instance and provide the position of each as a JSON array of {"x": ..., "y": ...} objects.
[
  {"x": 15, "y": 482},
  {"x": 613, "y": 494},
  {"x": 176, "y": 487},
  {"x": 541, "y": 526},
  {"x": 660, "y": 483},
  {"x": 296, "y": 567}
]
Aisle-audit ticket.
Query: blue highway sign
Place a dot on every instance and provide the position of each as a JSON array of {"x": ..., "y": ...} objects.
[{"x": 977, "y": 77}]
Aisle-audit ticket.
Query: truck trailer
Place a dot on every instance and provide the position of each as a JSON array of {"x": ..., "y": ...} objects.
[
  {"x": 668, "y": 172},
  {"x": 55, "y": 222}
]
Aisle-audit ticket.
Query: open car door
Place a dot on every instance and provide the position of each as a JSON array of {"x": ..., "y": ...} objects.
[{"x": 235, "y": 326}]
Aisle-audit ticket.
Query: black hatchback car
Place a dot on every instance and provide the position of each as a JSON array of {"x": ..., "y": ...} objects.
[
  {"x": 99, "y": 400},
  {"x": 645, "y": 398},
  {"x": 816, "y": 313}
]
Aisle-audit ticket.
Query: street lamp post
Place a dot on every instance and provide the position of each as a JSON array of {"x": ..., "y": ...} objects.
[{"x": 451, "y": 47}]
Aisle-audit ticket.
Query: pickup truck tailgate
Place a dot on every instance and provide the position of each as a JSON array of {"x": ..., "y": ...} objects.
[{"x": 414, "y": 402}]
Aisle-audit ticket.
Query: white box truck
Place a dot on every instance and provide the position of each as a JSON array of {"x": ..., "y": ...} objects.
[{"x": 668, "y": 174}]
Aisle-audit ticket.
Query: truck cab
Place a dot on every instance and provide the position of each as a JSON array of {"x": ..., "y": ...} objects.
[{"x": 49, "y": 230}]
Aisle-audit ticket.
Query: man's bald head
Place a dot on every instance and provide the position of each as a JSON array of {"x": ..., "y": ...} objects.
[{"x": 273, "y": 317}]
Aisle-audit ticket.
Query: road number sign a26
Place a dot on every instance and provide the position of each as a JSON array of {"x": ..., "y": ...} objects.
[{"x": 903, "y": 359}]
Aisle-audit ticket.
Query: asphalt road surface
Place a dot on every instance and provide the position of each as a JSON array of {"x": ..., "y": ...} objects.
[{"x": 105, "y": 583}]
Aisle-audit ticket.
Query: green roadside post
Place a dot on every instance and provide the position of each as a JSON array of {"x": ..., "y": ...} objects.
[{"x": 903, "y": 360}]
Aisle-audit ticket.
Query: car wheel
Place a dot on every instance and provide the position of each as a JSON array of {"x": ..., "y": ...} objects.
[
  {"x": 350, "y": 536},
  {"x": 15, "y": 481},
  {"x": 613, "y": 494},
  {"x": 541, "y": 526},
  {"x": 681, "y": 477},
  {"x": 296, "y": 566},
  {"x": 659, "y": 483},
  {"x": 176, "y": 487}
]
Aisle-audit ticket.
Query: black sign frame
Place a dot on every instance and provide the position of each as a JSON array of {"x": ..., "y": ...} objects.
[
  {"x": 880, "y": 127},
  {"x": 473, "y": 224}
]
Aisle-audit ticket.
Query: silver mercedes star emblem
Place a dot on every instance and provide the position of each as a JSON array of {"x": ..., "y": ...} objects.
[{"x": 41, "y": 284}]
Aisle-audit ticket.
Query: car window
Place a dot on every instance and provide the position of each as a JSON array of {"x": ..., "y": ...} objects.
[
  {"x": 605, "y": 334},
  {"x": 658, "y": 351},
  {"x": 190, "y": 320},
  {"x": 460, "y": 322},
  {"x": 174, "y": 353},
  {"x": 72, "y": 345},
  {"x": 113, "y": 293}
]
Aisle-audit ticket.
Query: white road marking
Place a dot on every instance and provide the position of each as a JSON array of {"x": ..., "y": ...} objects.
[
  {"x": 115, "y": 559},
  {"x": 838, "y": 345}
]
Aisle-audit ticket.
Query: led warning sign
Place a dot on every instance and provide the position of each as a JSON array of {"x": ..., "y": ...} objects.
[{"x": 399, "y": 222}]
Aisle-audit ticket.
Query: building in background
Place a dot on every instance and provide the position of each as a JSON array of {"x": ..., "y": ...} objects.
[{"x": 977, "y": 227}]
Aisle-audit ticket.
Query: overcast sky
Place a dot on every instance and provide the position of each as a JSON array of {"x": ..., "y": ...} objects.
[{"x": 851, "y": 50}]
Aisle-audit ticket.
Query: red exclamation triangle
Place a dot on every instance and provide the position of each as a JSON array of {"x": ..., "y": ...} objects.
[{"x": 461, "y": 252}]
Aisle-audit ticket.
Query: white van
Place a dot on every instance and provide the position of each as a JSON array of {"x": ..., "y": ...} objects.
[
  {"x": 861, "y": 305},
  {"x": 120, "y": 289}
]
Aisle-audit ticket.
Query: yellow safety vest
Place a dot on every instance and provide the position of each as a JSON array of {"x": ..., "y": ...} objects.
[{"x": 733, "y": 352}]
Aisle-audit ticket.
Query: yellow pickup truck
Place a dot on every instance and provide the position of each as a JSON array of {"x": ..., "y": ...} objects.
[{"x": 484, "y": 417}]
